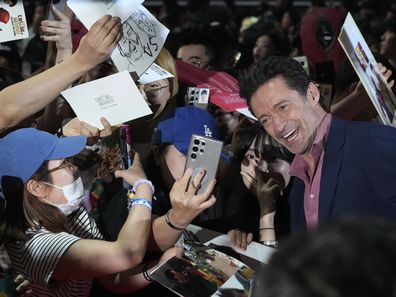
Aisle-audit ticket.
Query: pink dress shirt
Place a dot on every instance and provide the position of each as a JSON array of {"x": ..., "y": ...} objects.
[{"x": 311, "y": 178}]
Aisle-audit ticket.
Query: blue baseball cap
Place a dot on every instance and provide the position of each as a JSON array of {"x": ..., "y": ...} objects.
[
  {"x": 23, "y": 151},
  {"x": 186, "y": 121}
]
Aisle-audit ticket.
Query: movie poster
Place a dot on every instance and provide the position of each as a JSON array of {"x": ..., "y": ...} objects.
[{"x": 366, "y": 67}]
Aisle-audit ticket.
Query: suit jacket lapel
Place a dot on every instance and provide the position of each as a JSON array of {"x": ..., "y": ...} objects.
[{"x": 331, "y": 167}]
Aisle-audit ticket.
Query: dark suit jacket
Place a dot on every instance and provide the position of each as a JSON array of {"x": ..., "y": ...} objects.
[{"x": 358, "y": 175}]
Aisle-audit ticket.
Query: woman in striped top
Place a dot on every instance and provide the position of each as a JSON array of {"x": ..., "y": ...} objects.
[{"x": 48, "y": 234}]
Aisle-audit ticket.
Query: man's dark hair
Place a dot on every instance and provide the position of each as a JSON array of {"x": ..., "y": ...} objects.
[
  {"x": 200, "y": 38},
  {"x": 354, "y": 257},
  {"x": 291, "y": 71}
]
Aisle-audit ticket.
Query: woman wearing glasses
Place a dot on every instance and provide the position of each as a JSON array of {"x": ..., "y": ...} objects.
[
  {"x": 48, "y": 234},
  {"x": 161, "y": 97}
]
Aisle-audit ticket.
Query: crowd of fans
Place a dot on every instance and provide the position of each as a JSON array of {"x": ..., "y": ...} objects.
[{"x": 74, "y": 220}]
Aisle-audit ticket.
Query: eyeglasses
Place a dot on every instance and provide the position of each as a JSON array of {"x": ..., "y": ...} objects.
[
  {"x": 196, "y": 61},
  {"x": 66, "y": 164},
  {"x": 153, "y": 91}
]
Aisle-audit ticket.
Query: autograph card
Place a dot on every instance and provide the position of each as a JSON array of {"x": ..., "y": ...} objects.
[
  {"x": 114, "y": 97},
  {"x": 143, "y": 39}
]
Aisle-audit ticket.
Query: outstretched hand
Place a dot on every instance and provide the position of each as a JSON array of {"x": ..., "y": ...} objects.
[
  {"x": 186, "y": 203},
  {"x": 133, "y": 173},
  {"x": 100, "y": 41},
  {"x": 58, "y": 31}
]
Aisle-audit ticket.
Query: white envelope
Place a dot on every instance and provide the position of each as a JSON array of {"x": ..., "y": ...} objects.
[
  {"x": 114, "y": 97},
  {"x": 13, "y": 24}
]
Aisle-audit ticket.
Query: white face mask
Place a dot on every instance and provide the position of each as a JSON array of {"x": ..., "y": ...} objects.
[{"x": 74, "y": 193}]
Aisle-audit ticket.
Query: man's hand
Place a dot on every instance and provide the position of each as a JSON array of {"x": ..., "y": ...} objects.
[{"x": 99, "y": 42}]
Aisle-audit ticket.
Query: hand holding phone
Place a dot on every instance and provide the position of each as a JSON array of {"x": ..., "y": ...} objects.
[
  {"x": 58, "y": 4},
  {"x": 203, "y": 154}
]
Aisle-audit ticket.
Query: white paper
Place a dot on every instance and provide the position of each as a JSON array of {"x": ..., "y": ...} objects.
[
  {"x": 13, "y": 24},
  {"x": 246, "y": 112},
  {"x": 144, "y": 36},
  {"x": 114, "y": 97},
  {"x": 366, "y": 67},
  {"x": 89, "y": 11},
  {"x": 255, "y": 251},
  {"x": 303, "y": 60},
  {"x": 154, "y": 73}
]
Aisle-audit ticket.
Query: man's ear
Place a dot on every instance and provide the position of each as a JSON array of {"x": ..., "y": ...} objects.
[
  {"x": 36, "y": 188},
  {"x": 313, "y": 93}
]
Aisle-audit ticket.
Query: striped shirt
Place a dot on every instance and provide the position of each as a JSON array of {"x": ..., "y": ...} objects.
[{"x": 38, "y": 257}]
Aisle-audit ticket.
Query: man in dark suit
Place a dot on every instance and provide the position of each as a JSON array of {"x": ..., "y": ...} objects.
[{"x": 341, "y": 168}]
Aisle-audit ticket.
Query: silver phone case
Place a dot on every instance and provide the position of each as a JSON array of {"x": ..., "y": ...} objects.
[{"x": 204, "y": 153}]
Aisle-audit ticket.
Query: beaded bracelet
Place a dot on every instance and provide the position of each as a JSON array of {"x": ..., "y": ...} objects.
[
  {"x": 139, "y": 201},
  {"x": 143, "y": 181},
  {"x": 167, "y": 220}
]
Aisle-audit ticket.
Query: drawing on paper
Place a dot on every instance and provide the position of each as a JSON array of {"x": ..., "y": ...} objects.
[{"x": 140, "y": 39}]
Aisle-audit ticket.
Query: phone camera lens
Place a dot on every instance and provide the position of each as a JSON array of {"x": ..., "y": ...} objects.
[
  {"x": 193, "y": 155},
  {"x": 196, "y": 141},
  {"x": 203, "y": 143},
  {"x": 195, "y": 148}
]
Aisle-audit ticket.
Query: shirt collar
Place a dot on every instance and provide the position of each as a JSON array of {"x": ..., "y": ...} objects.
[{"x": 299, "y": 166}]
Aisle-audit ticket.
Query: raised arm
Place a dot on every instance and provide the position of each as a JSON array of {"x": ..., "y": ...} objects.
[
  {"x": 27, "y": 97},
  {"x": 96, "y": 258},
  {"x": 186, "y": 206}
]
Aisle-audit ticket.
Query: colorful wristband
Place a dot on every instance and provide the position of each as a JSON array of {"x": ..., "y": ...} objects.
[
  {"x": 143, "y": 181},
  {"x": 139, "y": 201}
]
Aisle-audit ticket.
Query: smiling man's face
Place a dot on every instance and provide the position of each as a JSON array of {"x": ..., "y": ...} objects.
[{"x": 287, "y": 116}]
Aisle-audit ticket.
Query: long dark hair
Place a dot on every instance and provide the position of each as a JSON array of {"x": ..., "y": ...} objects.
[
  {"x": 23, "y": 210},
  {"x": 272, "y": 148}
]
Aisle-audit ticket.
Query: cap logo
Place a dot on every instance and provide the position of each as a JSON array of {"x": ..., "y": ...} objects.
[{"x": 208, "y": 132}]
